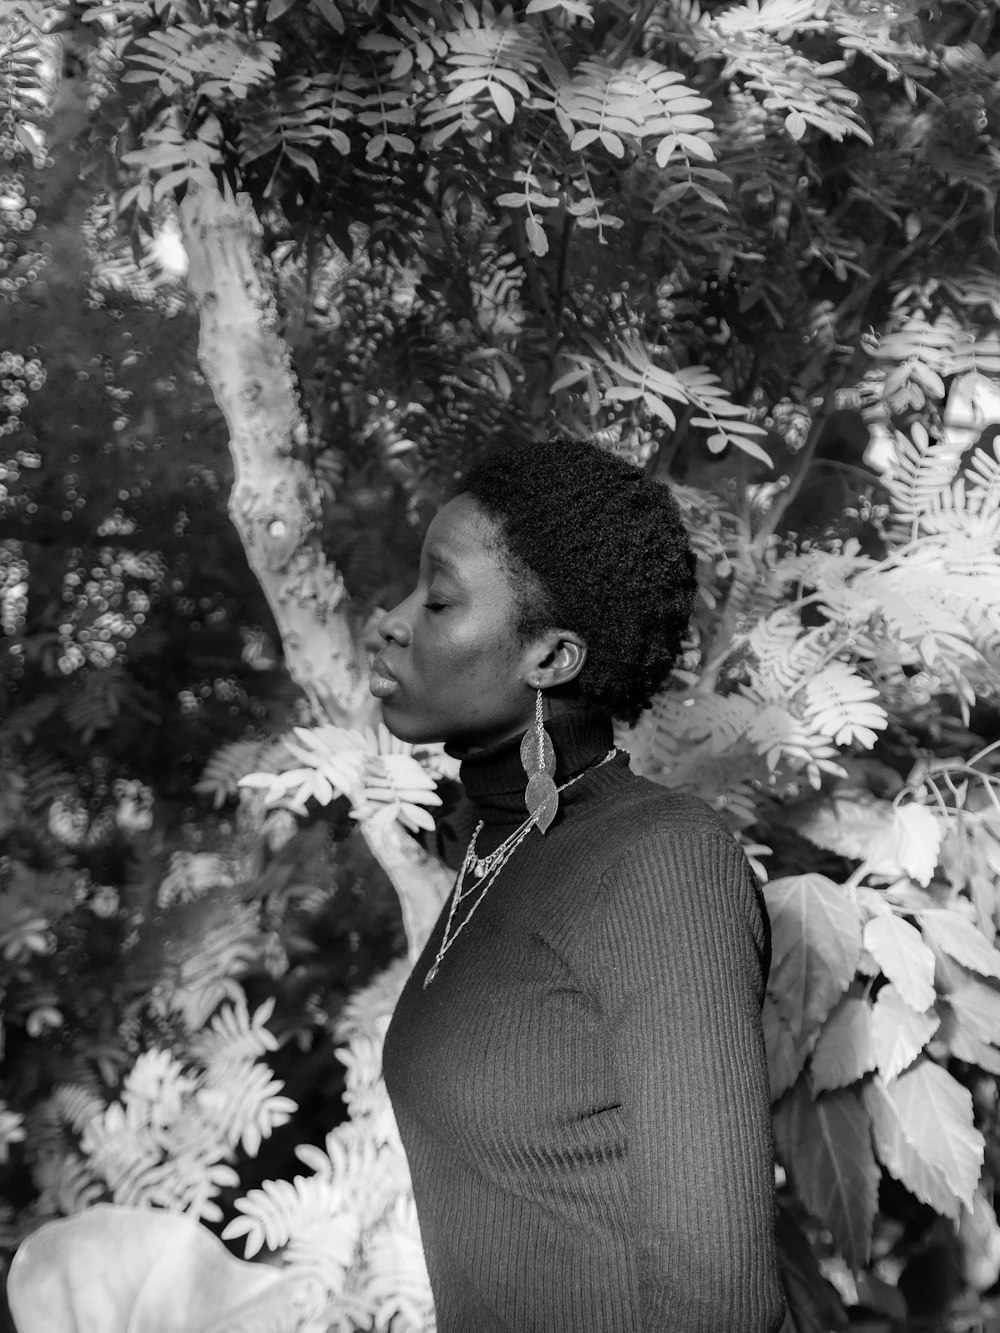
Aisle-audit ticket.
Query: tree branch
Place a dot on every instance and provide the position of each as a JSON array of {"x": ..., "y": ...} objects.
[{"x": 635, "y": 30}]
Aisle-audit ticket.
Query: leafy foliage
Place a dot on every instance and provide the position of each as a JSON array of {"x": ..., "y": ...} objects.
[
  {"x": 696, "y": 145},
  {"x": 350, "y": 1227},
  {"x": 202, "y": 58},
  {"x": 169, "y": 1138},
  {"x": 166, "y": 1266},
  {"x": 380, "y": 776},
  {"x": 736, "y": 244},
  {"x": 882, "y": 988}
]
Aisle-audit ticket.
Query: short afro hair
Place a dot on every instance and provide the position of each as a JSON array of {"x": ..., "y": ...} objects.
[{"x": 607, "y": 555}]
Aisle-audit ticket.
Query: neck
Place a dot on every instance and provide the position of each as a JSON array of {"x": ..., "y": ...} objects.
[{"x": 495, "y": 780}]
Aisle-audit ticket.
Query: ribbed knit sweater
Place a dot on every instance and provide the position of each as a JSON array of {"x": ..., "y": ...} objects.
[{"x": 582, "y": 1091}]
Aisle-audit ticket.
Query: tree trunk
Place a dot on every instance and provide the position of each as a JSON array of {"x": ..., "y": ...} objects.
[
  {"x": 275, "y": 502},
  {"x": 422, "y": 882}
]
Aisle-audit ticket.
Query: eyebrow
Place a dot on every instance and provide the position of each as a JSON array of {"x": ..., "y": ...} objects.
[{"x": 437, "y": 560}]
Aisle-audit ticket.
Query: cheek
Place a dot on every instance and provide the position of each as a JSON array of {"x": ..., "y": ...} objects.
[{"x": 465, "y": 652}]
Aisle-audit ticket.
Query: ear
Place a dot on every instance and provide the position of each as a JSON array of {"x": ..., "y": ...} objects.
[{"x": 558, "y": 658}]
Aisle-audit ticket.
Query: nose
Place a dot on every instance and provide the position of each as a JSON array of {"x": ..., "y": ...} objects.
[{"x": 394, "y": 627}]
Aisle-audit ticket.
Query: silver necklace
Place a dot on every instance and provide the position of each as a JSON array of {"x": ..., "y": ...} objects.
[{"x": 483, "y": 871}]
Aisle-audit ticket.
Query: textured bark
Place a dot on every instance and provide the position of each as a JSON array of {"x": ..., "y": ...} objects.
[
  {"x": 421, "y": 882},
  {"x": 275, "y": 501}
]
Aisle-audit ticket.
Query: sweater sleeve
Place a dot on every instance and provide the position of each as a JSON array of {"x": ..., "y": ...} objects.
[{"x": 680, "y": 955}]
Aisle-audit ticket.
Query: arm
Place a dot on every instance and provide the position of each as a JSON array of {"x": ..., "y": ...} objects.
[{"x": 680, "y": 956}]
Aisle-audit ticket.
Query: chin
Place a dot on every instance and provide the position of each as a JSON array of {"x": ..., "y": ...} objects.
[{"x": 409, "y": 729}]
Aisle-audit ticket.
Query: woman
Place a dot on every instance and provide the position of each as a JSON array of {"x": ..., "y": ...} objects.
[{"x": 576, "y": 1063}]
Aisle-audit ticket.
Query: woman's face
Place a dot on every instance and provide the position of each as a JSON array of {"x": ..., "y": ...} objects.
[{"x": 452, "y": 666}]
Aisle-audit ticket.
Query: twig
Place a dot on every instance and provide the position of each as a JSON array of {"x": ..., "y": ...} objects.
[
  {"x": 634, "y": 32},
  {"x": 543, "y": 302},
  {"x": 804, "y": 459},
  {"x": 744, "y": 567}
]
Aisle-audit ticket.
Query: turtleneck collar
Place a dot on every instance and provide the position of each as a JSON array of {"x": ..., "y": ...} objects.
[{"x": 494, "y": 779}]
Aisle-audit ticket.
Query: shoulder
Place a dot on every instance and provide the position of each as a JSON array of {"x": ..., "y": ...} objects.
[
  {"x": 645, "y": 815},
  {"x": 672, "y": 869}
]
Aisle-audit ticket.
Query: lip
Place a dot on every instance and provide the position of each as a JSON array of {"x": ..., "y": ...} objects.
[{"x": 382, "y": 682}]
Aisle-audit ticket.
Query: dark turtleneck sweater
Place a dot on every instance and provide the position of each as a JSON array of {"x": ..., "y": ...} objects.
[{"x": 582, "y": 1091}]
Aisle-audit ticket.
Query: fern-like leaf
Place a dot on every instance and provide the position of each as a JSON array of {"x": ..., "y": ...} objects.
[
  {"x": 24, "y": 931},
  {"x": 192, "y": 874},
  {"x": 243, "y": 1102},
  {"x": 922, "y": 467},
  {"x": 601, "y": 104},
  {"x": 11, "y": 1130},
  {"x": 397, "y": 1284},
  {"x": 22, "y": 723},
  {"x": 639, "y": 103},
  {"x": 672, "y": 114},
  {"x": 97, "y": 704},
  {"x": 280, "y": 1209},
  {"x": 967, "y": 520},
  {"x": 76, "y": 1106},
  {"x": 235, "y": 1034},
  {"x": 932, "y": 631},
  {"x": 297, "y": 117},
  {"x": 221, "y": 62},
  {"x": 921, "y": 355},
  {"x": 780, "y": 736},
  {"x": 231, "y": 762},
  {"x": 205, "y": 971},
  {"x": 66, "y": 1184},
  {"x": 27, "y": 59},
  {"x": 381, "y": 777},
  {"x": 631, "y": 376},
  {"x": 804, "y": 92},
  {"x": 840, "y": 704},
  {"x": 493, "y": 58},
  {"x": 785, "y": 656},
  {"x": 983, "y": 477},
  {"x": 349, "y": 1228}
]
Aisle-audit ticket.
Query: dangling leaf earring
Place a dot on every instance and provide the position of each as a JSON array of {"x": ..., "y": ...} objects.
[{"x": 539, "y": 760}]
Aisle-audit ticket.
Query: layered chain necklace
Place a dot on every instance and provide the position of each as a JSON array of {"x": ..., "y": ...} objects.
[{"x": 478, "y": 873}]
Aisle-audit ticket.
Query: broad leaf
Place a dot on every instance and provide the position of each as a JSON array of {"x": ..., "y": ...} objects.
[
  {"x": 924, "y": 1136},
  {"x": 964, "y": 1045},
  {"x": 816, "y": 943},
  {"x": 909, "y": 844},
  {"x": 827, "y": 1151},
  {"x": 903, "y": 957},
  {"x": 814, "y": 1303},
  {"x": 958, "y": 937},
  {"x": 845, "y": 825},
  {"x": 785, "y": 1056},
  {"x": 900, "y": 1032},
  {"x": 873, "y": 902},
  {"x": 975, "y": 1003},
  {"x": 845, "y": 1051},
  {"x": 141, "y": 1270},
  {"x": 881, "y": 1298},
  {"x": 935, "y": 1112},
  {"x": 900, "y": 1159}
]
